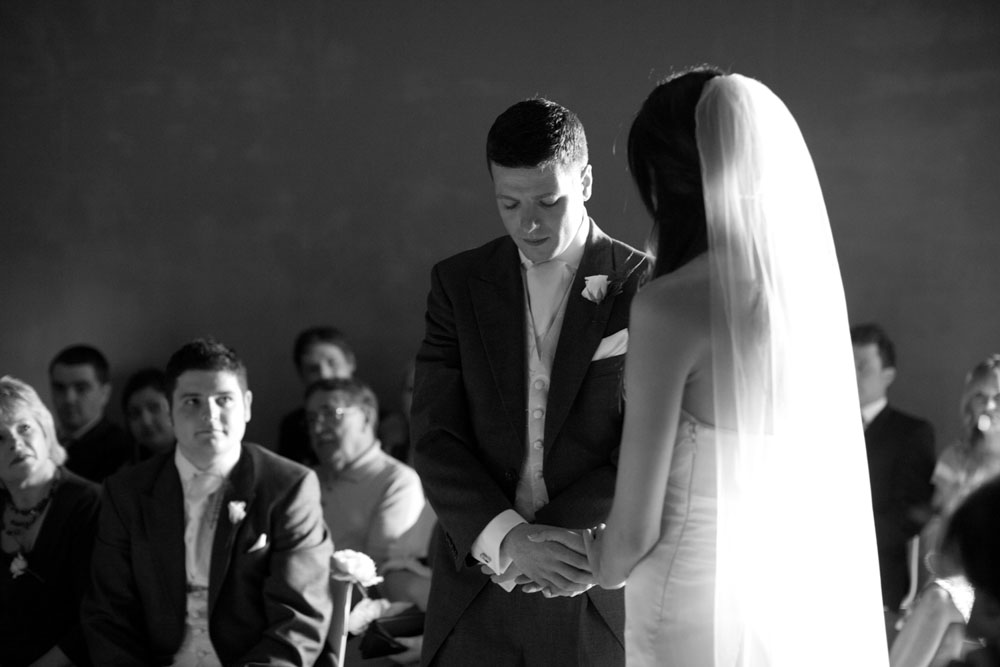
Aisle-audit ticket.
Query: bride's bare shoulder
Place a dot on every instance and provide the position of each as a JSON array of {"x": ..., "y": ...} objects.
[{"x": 677, "y": 300}]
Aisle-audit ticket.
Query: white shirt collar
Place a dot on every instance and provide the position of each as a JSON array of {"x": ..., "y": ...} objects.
[
  {"x": 221, "y": 467},
  {"x": 871, "y": 411},
  {"x": 573, "y": 253}
]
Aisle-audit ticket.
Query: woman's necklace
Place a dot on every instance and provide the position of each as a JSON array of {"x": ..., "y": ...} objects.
[{"x": 17, "y": 521}]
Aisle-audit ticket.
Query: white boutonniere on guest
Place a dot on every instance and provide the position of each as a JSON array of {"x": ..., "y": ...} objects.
[
  {"x": 18, "y": 566},
  {"x": 595, "y": 288},
  {"x": 237, "y": 511}
]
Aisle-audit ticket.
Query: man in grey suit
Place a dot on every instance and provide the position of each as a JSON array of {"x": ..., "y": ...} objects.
[
  {"x": 517, "y": 410},
  {"x": 214, "y": 552}
]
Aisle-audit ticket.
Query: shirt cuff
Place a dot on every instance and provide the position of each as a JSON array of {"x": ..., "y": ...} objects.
[{"x": 486, "y": 548}]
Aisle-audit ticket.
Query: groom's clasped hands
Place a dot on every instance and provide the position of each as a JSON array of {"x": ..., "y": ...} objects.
[{"x": 545, "y": 559}]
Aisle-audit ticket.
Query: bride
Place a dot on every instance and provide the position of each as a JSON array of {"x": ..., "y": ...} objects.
[{"x": 742, "y": 520}]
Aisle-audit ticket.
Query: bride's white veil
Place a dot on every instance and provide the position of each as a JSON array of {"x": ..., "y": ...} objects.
[{"x": 797, "y": 571}]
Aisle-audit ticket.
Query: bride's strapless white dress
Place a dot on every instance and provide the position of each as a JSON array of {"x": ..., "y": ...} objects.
[{"x": 670, "y": 594}]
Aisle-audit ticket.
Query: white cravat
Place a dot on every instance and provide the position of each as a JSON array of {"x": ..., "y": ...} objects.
[
  {"x": 547, "y": 286},
  {"x": 203, "y": 494},
  {"x": 548, "y": 283},
  {"x": 202, "y": 513}
]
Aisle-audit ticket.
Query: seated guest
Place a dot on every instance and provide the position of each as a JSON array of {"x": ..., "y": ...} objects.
[
  {"x": 371, "y": 500},
  {"x": 96, "y": 447},
  {"x": 975, "y": 457},
  {"x": 320, "y": 353},
  {"x": 937, "y": 633},
  {"x": 215, "y": 552},
  {"x": 49, "y": 520},
  {"x": 973, "y": 535},
  {"x": 967, "y": 464},
  {"x": 900, "y": 462},
  {"x": 147, "y": 413}
]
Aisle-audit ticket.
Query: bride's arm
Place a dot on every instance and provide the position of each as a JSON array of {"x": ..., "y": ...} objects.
[{"x": 667, "y": 337}]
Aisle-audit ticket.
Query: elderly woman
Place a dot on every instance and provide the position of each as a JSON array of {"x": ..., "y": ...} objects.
[
  {"x": 49, "y": 522},
  {"x": 147, "y": 413}
]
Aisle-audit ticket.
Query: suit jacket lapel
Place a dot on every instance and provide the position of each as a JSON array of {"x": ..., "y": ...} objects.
[
  {"x": 583, "y": 327},
  {"x": 240, "y": 487},
  {"x": 498, "y": 301},
  {"x": 163, "y": 513},
  {"x": 874, "y": 432}
]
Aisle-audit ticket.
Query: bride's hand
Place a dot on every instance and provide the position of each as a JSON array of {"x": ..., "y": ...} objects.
[
  {"x": 587, "y": 542},
  {"x": 592, "y": 545}
]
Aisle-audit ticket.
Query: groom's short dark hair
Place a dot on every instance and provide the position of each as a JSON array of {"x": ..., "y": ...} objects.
[
  {"x": 536, "y": 133},
  {"x": 204, "y": 354}
]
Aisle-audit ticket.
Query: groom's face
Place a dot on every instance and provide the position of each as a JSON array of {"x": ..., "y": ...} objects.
[{"x": 542, "y": 208}]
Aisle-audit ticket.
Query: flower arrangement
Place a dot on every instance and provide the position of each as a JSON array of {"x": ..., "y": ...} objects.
[
  {"x": 359, "y": 569},
  {"x": 355, "y": 567}
]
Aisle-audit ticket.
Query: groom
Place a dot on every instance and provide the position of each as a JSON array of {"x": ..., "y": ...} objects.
[{"x": 517, "y": 411}]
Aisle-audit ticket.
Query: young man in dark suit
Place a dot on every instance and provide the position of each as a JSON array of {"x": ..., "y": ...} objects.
[
  {"x": 517, "y": 410},
  {"x": 901, "y": 459},
  {"x": 80, "y": 379},
  {"x": 214, "y": 552}
]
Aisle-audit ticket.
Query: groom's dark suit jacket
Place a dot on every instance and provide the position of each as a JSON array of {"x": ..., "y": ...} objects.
[
  {"x": 268, "y": 604},
  {"x": 901, "y": 461},
  {"x": 469, "y": 415}
]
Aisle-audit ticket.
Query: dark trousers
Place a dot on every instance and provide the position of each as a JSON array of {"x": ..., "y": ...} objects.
[{"x": 528, "y": 630}]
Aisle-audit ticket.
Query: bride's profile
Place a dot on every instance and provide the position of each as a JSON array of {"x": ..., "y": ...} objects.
[{"x": 742, "y": 518}]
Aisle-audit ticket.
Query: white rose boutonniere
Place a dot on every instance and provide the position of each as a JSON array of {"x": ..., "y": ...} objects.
[
  {"x": 237, "y": 511},
  {"x": 18, "y": 566},
  {"x": 598, "y": 288},
  {"x": 595, "y": 288}
]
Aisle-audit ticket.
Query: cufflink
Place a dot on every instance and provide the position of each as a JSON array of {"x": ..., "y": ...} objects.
[
  {"x": 484, "y": 557},
  {"x": 259, "y": 544}
]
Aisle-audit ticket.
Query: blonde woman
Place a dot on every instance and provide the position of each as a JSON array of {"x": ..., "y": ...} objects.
[{"x": 49, "y": 522}]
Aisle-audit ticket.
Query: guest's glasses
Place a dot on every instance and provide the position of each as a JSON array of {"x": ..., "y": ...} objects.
[{"x": 330, "y": 415}]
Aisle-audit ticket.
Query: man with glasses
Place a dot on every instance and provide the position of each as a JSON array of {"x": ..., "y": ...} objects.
[{"x": 370, "y": 499}]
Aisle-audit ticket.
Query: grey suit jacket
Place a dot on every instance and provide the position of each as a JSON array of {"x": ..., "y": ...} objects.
[{"x": 267, "y": 605}]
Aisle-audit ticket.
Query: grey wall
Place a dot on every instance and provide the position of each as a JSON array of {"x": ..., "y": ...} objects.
[{"x": 248, "y": 168}]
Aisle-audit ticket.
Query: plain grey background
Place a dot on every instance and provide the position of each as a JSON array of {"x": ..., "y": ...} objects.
[{"x": 247, "y": 168}]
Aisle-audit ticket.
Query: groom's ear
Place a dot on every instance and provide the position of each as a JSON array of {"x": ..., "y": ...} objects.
[{"x": 587, "y": 181}]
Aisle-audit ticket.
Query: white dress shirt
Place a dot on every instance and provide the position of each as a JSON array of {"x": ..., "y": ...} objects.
[
  {"x": 872, "y": 410},
  {"x": 545, "y": 307},
  {"x": 203, "y": 494}
]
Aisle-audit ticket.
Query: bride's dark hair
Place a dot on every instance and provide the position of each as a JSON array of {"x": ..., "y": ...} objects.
[{"x": 663, "y": 159}]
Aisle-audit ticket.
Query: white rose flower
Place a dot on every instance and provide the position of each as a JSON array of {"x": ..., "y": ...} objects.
[
  {"x": 349, "y": 565},
  {"x": 596, "y": 288},
  {"x": 237, "y": 511}
]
